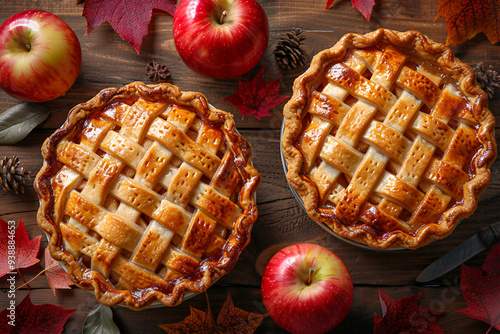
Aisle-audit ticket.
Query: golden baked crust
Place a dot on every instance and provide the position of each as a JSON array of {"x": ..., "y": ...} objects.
[
  {"x": 146, "y": 193},
  {"x": 388, "y": 139}
]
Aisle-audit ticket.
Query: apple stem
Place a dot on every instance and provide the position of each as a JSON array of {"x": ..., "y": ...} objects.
[
  {"x": 309, "y": 278},
  {"x": 28, "y": 47},
  {"x": 223, "y": 15}
]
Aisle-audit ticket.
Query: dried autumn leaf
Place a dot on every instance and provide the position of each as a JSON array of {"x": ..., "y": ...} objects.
[
  {"x": 29, "y": 318},
  {"x": 15, "y": 247},
  {"x": 364, "y": 6},
  {"x": 466, "y": 18},
  {"x": 230, "y": 320},
  {"x": 256, "y": 97},
  {"x": 235, "y": 320},
  {"x": 129, "y": 18},
  {"x": 56, "y": 276},
  {"x": 197, "y": 322},
  {"x": 482, "y": 291},
  {"x": 405, "y": 316}
]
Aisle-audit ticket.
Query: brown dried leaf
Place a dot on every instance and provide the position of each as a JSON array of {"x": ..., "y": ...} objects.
[
  {"x": 466, "y": 18},
  {"x": 230, "y": 320},
  {"x": 197, "y": 322},
  {"x": 235, "y": 320}
]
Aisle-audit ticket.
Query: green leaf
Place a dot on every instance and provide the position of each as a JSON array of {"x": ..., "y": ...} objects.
[
  {"x": 100, "y": 321},
  {"x": 17, "y": 122}
]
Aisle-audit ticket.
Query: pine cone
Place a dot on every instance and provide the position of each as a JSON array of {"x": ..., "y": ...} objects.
[
  {"x": 157, "y": 72},
  {"x": 12, "y": 176},
  {"x": 288, "y": 53},
  {"x": 488, "y": 80}
]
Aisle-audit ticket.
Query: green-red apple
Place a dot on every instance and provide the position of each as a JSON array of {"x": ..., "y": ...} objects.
[
  {"x": 307, "y": 289},
  {"x": 220, "y": 39},
  {"x": 40, "y": 56}
]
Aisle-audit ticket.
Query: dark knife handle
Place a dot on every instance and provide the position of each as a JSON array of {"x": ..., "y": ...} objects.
[{"x": 489, "y": 234}]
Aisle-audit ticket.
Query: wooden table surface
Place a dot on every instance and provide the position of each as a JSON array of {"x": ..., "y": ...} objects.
[{"x": 109, "y": 61}]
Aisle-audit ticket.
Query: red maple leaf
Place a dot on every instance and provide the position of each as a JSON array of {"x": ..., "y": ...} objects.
[
  {"x": 56, "y": 276},
  {"x": 16, "y": 250},
  {"x": 481, "y": 289},
  {"x": 405, "y": 316},
  {"x": 256, "y": 97},
  {"x": 364, "y": 6},
  {"x": 129, "y": 18},
  {"x": 29, "y": 318}
]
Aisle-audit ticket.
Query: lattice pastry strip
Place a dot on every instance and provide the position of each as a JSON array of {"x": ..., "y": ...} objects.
[
  {"x": 106, "y": 256},
  {"x": 199, "y": 236},
  {"x": 360, "y": 87},
  {"x": 387, "y": 140},
  {"x": 422, "y": 150},
  {"x": 155, "y": 157},
  {"x": 180, "y": 183},
  {"x": 437, "y": 200},
  {"x": 183, "y": 147},
  {"x": 383, "y": 137},
  {"x": 395, "y": 146},
  {"x": 138, "y": 119},
  {"x": 156, "y": 237},
  {"x": 153, "y": 245},
  {"x": 329, "y": 111},
  {"x": 128, "y": 151}
]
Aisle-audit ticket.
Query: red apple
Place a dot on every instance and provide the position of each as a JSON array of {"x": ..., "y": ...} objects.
[
  {"x": 40, "y": 56},
  {"x": 220, "y": 39},
  {"x": 307, "y": 289}
]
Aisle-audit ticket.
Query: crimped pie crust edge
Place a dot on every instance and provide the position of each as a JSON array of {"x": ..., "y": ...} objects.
[
  {"x": 212, "y": 270},
  {"x": 305, "y": 84}
]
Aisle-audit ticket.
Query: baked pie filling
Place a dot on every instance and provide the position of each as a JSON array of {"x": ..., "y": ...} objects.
[
  {"x": 147, "y": 193},
  {"x": 388, "y": 139}
]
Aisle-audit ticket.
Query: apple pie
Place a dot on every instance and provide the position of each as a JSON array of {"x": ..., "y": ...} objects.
[
  {"x": 147, "y": 193},
  {"x": 388, "y": 139}
]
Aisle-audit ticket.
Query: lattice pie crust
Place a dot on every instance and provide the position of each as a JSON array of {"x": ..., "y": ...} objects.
[
  {"x": 388, "y": 139},
  {"x": 147, "y": 193}
]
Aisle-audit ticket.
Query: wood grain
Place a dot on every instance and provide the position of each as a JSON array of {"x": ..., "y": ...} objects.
[{"x": 109, "y": 61}]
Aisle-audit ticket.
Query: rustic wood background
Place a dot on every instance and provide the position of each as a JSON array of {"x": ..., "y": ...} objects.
[{"x": 109, "y": 61}]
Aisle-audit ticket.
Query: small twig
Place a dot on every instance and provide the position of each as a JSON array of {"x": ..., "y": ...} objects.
[
  {"x": 211, "y": 314},
  {"x": 31, "y": 280},
  {"x": 23, "y": 279}
]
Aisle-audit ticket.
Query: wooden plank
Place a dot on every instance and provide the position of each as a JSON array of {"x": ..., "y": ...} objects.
[
  {"x": 282, "y": 221},
  {"x": 360, "y": 319},
  {"x": 109, "y": 61}
]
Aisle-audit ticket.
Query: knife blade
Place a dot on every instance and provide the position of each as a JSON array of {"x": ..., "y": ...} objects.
[{"x": 463, "y": 252}]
